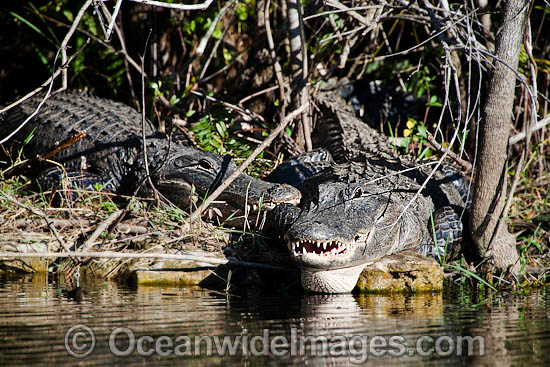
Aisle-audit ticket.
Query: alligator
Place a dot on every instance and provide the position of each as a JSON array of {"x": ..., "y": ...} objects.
[
  {"x": 111, "y": 155},
  {"x": 361, "y": 201},
  {"x": 339, "y": 207}
]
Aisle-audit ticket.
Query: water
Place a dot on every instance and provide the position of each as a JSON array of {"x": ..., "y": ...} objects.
[{"x": 160, "y": 326}]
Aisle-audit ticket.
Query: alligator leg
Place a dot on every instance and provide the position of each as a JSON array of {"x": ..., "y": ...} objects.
[
  {"x": 296, "y": 170},
  {"x": 448, "y": 227}
]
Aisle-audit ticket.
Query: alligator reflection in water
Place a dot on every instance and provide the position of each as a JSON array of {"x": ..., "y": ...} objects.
[{"x": 35, "y": 316}]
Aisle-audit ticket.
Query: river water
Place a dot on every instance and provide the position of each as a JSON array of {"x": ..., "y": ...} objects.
[{"x": 43, "y": 324}]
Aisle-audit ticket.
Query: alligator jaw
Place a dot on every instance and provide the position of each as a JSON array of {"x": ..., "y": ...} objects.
[
  {"x": 321, "y": 248},
  {"x": 330, "y": 266}
]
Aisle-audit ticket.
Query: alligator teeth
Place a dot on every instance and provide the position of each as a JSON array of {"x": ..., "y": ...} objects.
[{"x": 324, "y": 245}]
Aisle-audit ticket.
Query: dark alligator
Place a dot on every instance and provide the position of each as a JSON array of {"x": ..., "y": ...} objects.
[
  {"x": 353, "y": 211},
  {"x": 365, "y": 205},
  {"x": 111, "y": 155}
]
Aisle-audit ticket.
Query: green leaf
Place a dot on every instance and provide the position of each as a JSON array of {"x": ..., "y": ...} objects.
[
  {"x": 29, "y": 137},
  {"x": 221, "y": 128},
  {"x": 422, "y": 131},
  {"x": 68, "y": 14},
  {"x": 227, "y": 55},
  {"x": 426, "y": 152},
  {"x": 434, "y": 102},
  {"x": 217, "y": 34},
  {"x": 174, "y": 100}
]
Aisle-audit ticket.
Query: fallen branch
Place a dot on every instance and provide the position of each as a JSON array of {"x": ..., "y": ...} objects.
[
  {"x": 124, "y": 228},
  {"x": 102, "y": 227},
  {"x": 197, "y": 213},
  {"x": 124, "y": 255}
]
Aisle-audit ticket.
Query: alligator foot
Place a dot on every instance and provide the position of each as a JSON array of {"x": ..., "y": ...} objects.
[{"x": 448, "y": 228}]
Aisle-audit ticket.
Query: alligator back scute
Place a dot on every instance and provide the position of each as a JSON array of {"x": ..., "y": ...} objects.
[{"x": 111, "y": 129}]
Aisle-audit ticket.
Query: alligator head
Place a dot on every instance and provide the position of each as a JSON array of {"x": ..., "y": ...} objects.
[
  {"x": 340, "y": 228},
  {"x": 191, "y": 172}
]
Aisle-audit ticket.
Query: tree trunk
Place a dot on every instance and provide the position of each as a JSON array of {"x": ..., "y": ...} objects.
[
  {"x": 299, "y": 68},
  {"x": 489, "y": 231}
]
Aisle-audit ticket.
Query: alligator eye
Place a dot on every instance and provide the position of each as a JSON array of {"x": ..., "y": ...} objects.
[{"x": 204, "y": 164}]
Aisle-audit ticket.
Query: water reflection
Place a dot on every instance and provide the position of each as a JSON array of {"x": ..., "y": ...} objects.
[{"x": 270, "y": 329}]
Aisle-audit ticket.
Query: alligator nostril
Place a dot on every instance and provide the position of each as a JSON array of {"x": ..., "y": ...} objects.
[{"x": 357, "y": 238}]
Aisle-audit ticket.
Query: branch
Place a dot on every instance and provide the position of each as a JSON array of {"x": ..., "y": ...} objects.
[
  {"x": 68, "y": 36},
  {"x": 112, "y": 21},
  {"x": 124, "y": 255},
  {"x": 162, "y": 4}
]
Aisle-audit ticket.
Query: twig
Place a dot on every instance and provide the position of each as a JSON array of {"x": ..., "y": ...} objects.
[
  {"x": 112, "y": 21},
  {"x": 204, "y": 40},
  {"x": 124, "y": 255},
  {"x": 197, "y": 213},
  {"x": 68, "y": 36},
  {"x": 100, "y": 229},
  {"x": 259, "y": 93},
  {"x": 127, "y": 59},
  {"x": 340, "y": 11},
  {"x": 124, "y": 228},
  {"x": 162, "y": 4},
  {"x": 514, "y": 139},
  {"x": 338, "y": 5},
  {"x": 143, "y": 137},
  {"x": 227, "y": 104},
  {"x": 467, "y": 166},
  {"x": 63, "y": 145},
  {"x": 30, "y": 163}
]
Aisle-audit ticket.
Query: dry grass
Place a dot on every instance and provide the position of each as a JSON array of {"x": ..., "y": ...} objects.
[{"x": 144, "y": 228}]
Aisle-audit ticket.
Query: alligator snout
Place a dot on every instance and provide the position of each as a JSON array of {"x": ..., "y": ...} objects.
[{"x": 277, "y": 194}]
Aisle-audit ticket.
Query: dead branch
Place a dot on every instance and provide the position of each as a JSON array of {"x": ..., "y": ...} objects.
[
  {"x": 162, "y": 4},
  {"x": 102, "y": 227},
  {"x": 514, "y": 139},
  {"x": 112, "y": 21},
  {"x": 467, "y": 166},
  {"x": 67, "y": 38},
  {"x": 124, "y": 255},
  {"x": 30, "y": 163}
]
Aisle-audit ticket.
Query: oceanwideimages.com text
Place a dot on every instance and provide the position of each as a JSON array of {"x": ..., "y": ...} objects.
[{"x": 80, "y": 342}]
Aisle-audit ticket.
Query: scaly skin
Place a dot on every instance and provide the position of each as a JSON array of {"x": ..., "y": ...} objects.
[
  {"x": 364, "y": 207},
  {"x": 112, "y": 154}
]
